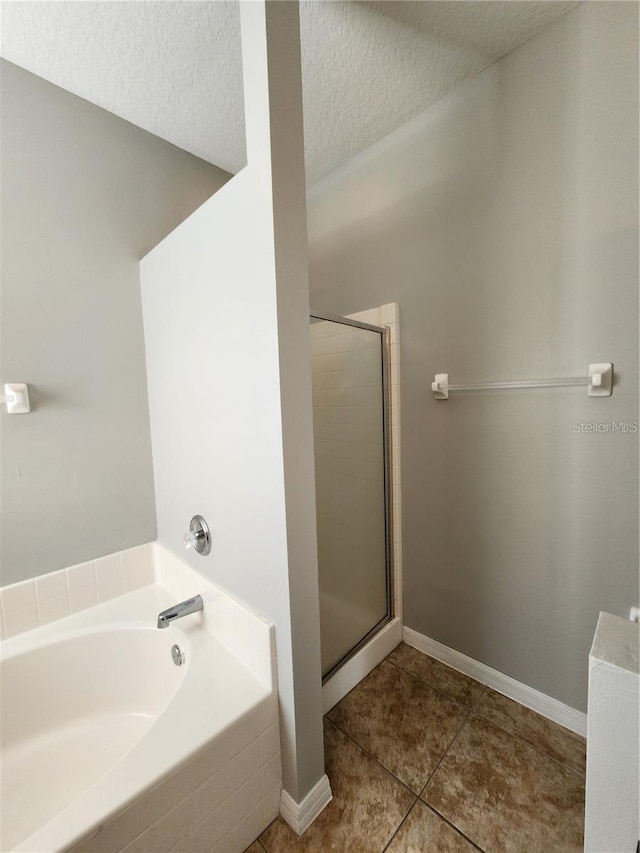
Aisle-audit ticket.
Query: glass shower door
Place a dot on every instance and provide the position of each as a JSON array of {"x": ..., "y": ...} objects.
[{"x": 352, "y": 500}]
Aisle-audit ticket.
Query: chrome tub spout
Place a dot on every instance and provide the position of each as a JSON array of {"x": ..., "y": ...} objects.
[{"x": 191, "y": 605}]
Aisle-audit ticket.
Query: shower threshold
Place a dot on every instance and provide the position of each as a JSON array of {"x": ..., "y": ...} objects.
[{"x": 356, "y": 619}]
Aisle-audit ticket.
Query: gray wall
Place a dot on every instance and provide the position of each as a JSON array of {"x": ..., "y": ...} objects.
[
  {"x": 504, "y": 221},
  {"x": 84, "y": 196}
]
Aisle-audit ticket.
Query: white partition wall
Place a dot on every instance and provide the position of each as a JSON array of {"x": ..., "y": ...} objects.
[
  {"x": 612, "y": 809},
  {"x": 225, "y": 304}
]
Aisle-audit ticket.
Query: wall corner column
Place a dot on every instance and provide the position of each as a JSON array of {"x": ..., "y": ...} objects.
[{"x": 275, "y": 150}]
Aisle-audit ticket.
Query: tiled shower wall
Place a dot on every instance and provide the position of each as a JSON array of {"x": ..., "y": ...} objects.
[
  {"x": 349, "y": 480},
  {"x": 34, "y": 602}
]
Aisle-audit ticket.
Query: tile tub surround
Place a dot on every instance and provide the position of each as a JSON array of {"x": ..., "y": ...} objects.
[
  {"x": 201, "y": 809},
  {"x": 224, "y": 789},
  {"x": 38, "y": 601},
  {"x": 502, "y": 778}
]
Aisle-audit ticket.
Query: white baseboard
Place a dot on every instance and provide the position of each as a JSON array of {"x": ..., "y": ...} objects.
[
  {"x": 361, "y": 664},
  {"x": 545, "y": 705},
  {"x": 300, "y": 816}
]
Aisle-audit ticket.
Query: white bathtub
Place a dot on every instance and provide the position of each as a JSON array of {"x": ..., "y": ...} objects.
[{"x": 107, "y": 745}]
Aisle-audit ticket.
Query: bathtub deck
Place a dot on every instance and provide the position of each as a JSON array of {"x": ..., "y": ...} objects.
[{"x": 63, "y": 784}]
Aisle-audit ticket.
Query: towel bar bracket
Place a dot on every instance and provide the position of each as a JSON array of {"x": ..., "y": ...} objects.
[{"x": 16, "y": 397}]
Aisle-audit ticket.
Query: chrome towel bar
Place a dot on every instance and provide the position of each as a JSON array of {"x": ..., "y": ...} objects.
[{"x": 599, "y": 383}]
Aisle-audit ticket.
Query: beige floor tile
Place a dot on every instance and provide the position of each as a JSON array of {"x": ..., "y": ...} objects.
[
  {"x": 368, "y": 806},
  {"x": 425, "y": 832},
  {"x": 460, "y": 687},
  {"x": 402, "y": 722},
  {"x": 507, "y": 796},
  {"x": 546, "y": 735}
]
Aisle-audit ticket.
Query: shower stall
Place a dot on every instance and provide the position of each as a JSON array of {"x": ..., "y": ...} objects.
[{"x": 350, "y": 380}]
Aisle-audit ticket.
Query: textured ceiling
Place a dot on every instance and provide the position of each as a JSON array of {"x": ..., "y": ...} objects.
[{"x": 174, "y": 68}]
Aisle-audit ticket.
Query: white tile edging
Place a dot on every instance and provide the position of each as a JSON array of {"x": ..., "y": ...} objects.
[
  {"x": 361, "y": 664},
  {"x": 301, "y": 815},
  {"x": 34, "y": 602},
  {"x": 531, "y": 698}
]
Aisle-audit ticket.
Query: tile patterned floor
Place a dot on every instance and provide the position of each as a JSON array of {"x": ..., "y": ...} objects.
[{"x": 423, "y": 759}]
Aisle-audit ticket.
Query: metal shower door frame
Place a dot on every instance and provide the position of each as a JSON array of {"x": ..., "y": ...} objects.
[{"x": 385, "y": 344}]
